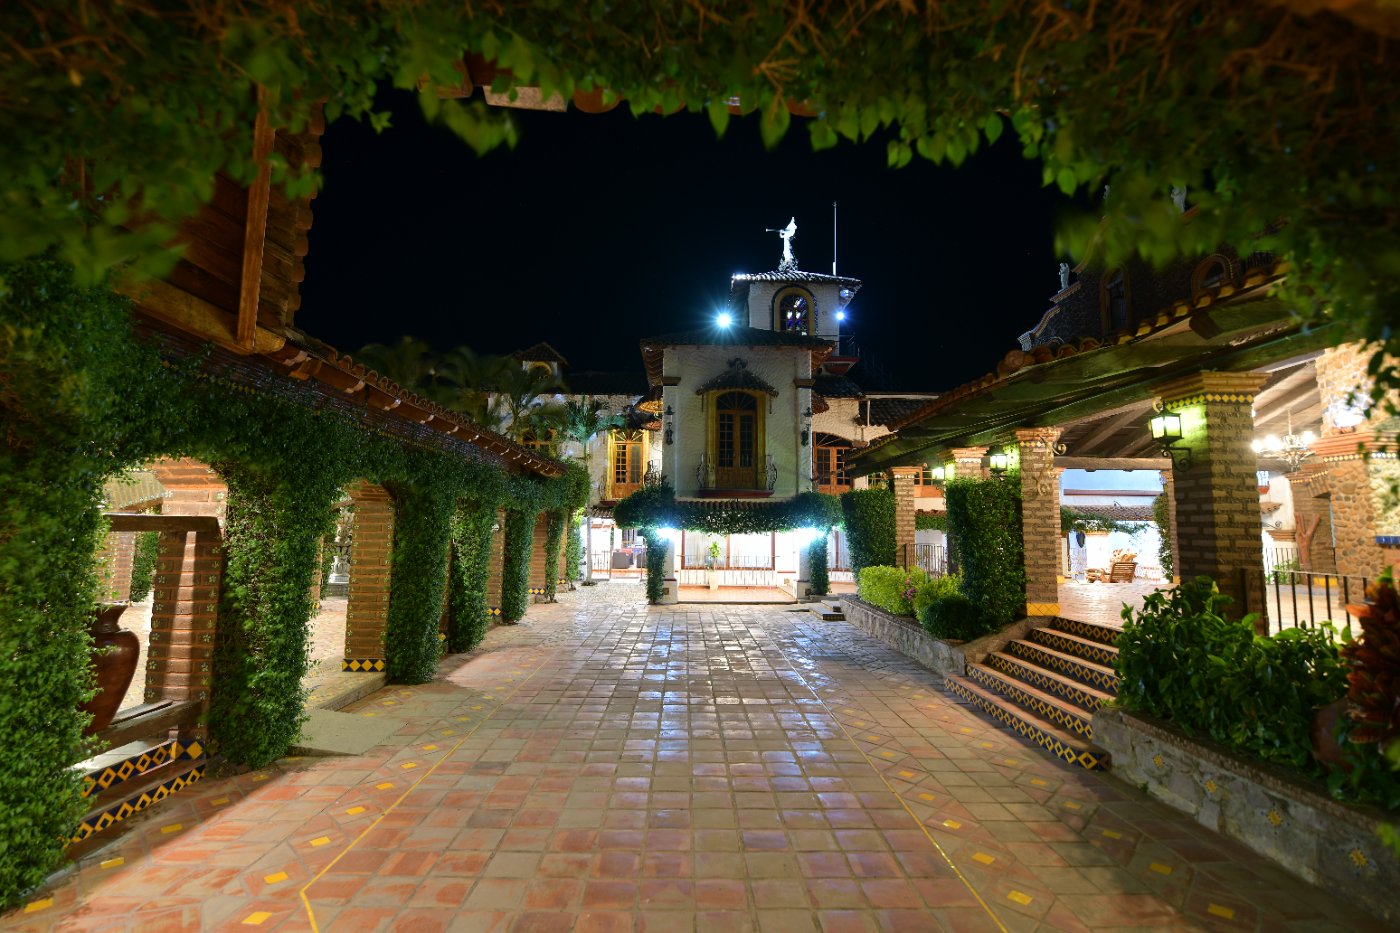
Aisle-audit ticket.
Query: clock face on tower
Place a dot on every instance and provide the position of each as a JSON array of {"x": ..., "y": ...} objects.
[{"x": 793, "y": 311}]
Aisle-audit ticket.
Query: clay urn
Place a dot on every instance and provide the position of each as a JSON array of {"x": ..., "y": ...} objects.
[{"x": 114, "y": 655}]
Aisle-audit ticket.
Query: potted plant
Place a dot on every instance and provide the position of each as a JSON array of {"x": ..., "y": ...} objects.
[{"x": 711, "y": 562}]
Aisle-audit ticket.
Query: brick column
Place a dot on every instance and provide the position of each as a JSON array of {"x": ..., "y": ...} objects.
[
  {"x": 371, "y": 551},
  {"x": 114, "y": 562},
  {"x": 1169, "y": 489},
  {"x": 968, "y": 463},
  {"x": 1040, "y": 519},
  {"x": 539, "y": 573},
  {"x": 1219, "y": 532},
  {"x": 192, "y": 488},
  {"x": 184, "y": 613},
  {"x": 904, "y": 507}
]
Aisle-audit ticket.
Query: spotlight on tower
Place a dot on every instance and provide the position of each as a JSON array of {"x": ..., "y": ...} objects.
[
  {"x": 723, "y": 319},
  {"x": 840, "y": 315}
]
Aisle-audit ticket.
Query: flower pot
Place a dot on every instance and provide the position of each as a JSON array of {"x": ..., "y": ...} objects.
[
  {"x": 114, "y": 655},
  {"x": 1325, "y": 747}
]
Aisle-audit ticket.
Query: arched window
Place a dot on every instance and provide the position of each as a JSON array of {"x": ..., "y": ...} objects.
[
  {"x": 829, "y": 463},
  {"x": 737, "y": 440},
  {"x": 1116, "y": 308},
  {"x": 626, "y": 462},
  {"x": 794, "y": 311},
  {"x": 1210, "y": 275}
]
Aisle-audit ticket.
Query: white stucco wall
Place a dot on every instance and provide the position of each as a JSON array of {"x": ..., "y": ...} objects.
[
  {"x": 780, "y": 367},
  {"x": 826, "y": 295}
]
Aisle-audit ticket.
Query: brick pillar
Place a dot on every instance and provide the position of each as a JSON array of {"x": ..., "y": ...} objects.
[
  {"x": 539, "y": 573},
  {"x": 316, "y": 581},
  {"x": 905, "y": 504},
  {"x": 1218, "y": 526},
  {"x": 192, "y": 488},
  {"x": 1040, "y": 519},
  {"x": 968, "y": 463},
  {"x": 114, "y": 561},
  {"x": 184, "y": 613},
  {"x": 1349, "y": 504},
  {"x": 1169, "y": 488},
  {"x": 371, "y": 552},
  {"x": 498, "y": 561}
]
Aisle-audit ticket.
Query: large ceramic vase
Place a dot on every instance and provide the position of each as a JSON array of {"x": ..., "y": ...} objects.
[{"x": 114, "y": 655}]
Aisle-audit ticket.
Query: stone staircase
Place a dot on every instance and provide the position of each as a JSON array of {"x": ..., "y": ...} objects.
[
  {"x": 1047, "y": 686},
  {"x": 829, "y": 609}
]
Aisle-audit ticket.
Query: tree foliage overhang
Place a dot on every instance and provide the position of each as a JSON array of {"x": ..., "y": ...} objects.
[
  {"x": 116, "y": 117},
  {"x": 657, "y": 507}
]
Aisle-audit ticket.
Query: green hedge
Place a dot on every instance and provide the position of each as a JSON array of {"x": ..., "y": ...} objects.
[
  {"x": 1161, "y": 514},
  {"x": 656, "y": 507},
  {"x": 1181, "y": 659},
  {"x": 83, "y": 401},
  {"x": 869, "y": 521},
  {"x": 656, "y": 564},
  {"x": 467, "y": 619},
  {"x": 926, "y": 522},
  {"x": 515, "y": 567},
  {"x": 553, "y": 544},
  {"x": 893, "y": 589},
  {"x": 573, "y": 547},
  {"x": 143, "y": 564},
  {"x": 818, "y": 578},
  {"x": 984, "y": 521}
]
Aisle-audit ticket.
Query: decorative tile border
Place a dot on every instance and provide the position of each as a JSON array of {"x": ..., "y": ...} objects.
[
  {"x": 1039, "y": 677},
  {"x": 1077, "y": 721},
  {"x": 138, "y": 763},
  {"x": 1098, "y": 653},
  {"x": 1094, "y": 631},
  {"x": 363, "y": 665},
  {"x": 1075, "y": 667},
  {"x": 99, "y": 820},
  {"x": 1084, "y": 758}
]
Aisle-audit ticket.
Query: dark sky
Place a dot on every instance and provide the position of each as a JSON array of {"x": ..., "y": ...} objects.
[{"x": 598, "y": 230}]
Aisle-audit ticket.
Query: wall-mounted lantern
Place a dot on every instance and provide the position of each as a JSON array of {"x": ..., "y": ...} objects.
[
  {"x": 670, "y": 425},
  {"x": 806, "y": 426},
  {"x": 1166, "y": 431},
  {"x": 998, "y": 461}
]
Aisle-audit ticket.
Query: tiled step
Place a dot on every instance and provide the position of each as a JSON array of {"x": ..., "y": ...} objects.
[
  {"x": 1099, "y": 676},
  {"x": 1063, "y": 713},
  {"x": 130, "y": 798},
  {"x": 1069, "y": 748},
  {"x": 826, "y": 613},
  {"x": 1045, "y": 679},
  {"x": 1105, "y": 634},
  {"x": 1075, "y": 645}
]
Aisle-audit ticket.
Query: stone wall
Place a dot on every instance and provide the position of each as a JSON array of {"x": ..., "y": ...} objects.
[
  {"x": 908, "y": 638},
  {"x": 1295, "y": 824}
]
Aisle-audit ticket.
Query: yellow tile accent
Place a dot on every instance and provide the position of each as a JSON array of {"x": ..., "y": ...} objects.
[
  {"x": 964, "y": 729},
  {"x": 449, "y": 731},
  {"x": 1358, "y": 858},
  {"x": 860, "y": 723},
  {"x": 275, "y": 878},
  {"x": 429, "y": 748},
  {"x": 1042, "y": 609},
  {"x": 488, "y": 697},
  {"x": 873, "y": 738},
  {"x": 320, "y": 841},
  {"x": 927, "y": 797},
  {"x": 171, "y": 828},
  {"x": 409, "y": 765},
  {"x": 887, "y": 754},
  {"x": 1275, "y": 818},
  {"x": 219, "y": 802},
  {"x": 112, "y": 862},
  {"x": 1071, "y": 805},
  {"x": 952, "y": 824},
  {"x": 983, "y": 857},
  {"x": 261, "y": 777},
  {"x": 256, "y": 919},
  {"x": 1018, "y": 897},
  {"x": 1157, "y": 760},
  {"x": 465, "y": 718},
  {"x": 1211, "y": 786},
  {"x": 1038, "y": 782},
  {"x": 385, "y": 786},
  {"x": 986, "y": 744},
  {"x": 1161, "y": 869},
  {"x": 371, "y": 714},
  {"x": 40, "y": 904},
  {"x": 1113, "y": 834},
  {"x": 906, "y": 774},
  {"x": 390, "y": 703},
  {"x": 354, "y": 810},
  {"x": 1219, "y": 911}
]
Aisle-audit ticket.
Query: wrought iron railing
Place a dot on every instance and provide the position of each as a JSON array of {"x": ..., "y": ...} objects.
[
  {"x": 1304, "y": 599},
  {"x": 932, "y": 559},
  {"x": 705, "y": 472}
]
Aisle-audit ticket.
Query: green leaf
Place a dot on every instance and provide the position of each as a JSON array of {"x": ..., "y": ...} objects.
[{"x": 1066, "y": 181}]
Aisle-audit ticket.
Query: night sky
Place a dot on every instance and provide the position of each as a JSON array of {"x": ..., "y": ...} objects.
[{"x": 598, "y": 230}]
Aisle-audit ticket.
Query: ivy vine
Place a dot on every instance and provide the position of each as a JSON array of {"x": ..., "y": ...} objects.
[{"x": 657, "y": 507}]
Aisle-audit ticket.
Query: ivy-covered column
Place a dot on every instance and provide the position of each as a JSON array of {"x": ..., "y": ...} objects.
[
  {"x": 515, "y": 565},
  {"x": 468, "y": 618},
  {"x": 422, "y": 531},
  {"x": 1040, "y": 519},
  {"x": 904, "y": 522},
  {"x": 1219, "y": 529},
  {"x": 1169, "y": 491},
  {"x": 371, "y": 556}
]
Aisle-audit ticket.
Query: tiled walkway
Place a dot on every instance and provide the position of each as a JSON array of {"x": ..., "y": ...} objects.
[{"x": 610, "y": 767}]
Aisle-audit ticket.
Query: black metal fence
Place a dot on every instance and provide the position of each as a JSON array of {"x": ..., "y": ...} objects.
[{"x": 1303, "y": 598}]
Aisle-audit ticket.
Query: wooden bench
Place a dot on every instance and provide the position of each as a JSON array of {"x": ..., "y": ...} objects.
[{"x": 1123, "y": 572}]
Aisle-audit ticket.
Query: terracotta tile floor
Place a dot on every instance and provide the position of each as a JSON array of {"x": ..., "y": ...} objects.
[{"x": 609, "y": 767}]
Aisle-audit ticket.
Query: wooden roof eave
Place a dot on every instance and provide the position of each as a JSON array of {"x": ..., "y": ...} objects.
[{"x": 994, "y": 415}]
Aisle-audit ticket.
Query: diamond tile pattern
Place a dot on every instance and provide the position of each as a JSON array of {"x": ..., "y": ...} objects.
[{"x": 609, "y": 766}]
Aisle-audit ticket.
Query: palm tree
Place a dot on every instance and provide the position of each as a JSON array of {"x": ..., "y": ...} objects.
[
  {"x": 518, "y": 390},
  {"x": 466, "y": 380},
  {"x": 585, "y": 419},
  {"x": 409, "y": 362}
]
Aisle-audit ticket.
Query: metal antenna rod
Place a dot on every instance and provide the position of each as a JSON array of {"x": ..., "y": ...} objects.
[{"x": 833, "y": 237}]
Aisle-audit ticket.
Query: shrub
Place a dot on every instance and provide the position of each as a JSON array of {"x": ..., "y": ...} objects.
[
  {"x": 1181, "y": 659},
  {"x": 573, "y": 547},
  {"x": 891, "y": 588},
  {"x": 657, "y": 552},
  {"x": 935, "y": 588},
  {"x": 1162, "y": 516},
  {"x": 1370, "y": 732},
  {"x": 869, "y": 523},
  {"x": 984, "y": 521},
  {"x": 143, "y": 564},
  {"x": 954, "y": 617},
  {"x": 818, "y": 578}
]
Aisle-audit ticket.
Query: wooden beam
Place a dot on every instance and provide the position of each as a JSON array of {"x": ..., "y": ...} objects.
[
  {"x": 133, "y": 521},
  {"x": 193, "y": 315},
  {"x": 1111, "y": 427},
  {"x": 255, "y": 226},
  {"x": 1113, "y": 463}
]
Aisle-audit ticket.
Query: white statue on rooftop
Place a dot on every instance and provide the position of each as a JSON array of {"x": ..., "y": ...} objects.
[
  {"x": 789, "y": 262},
  {"x": 1064, "y": 276}
]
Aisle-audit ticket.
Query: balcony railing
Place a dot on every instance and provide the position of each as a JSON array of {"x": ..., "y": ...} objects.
[{"x": 707, "y": 475}]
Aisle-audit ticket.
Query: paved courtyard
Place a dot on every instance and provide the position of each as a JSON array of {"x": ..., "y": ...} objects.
[{"x": 608, "y": 766}]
